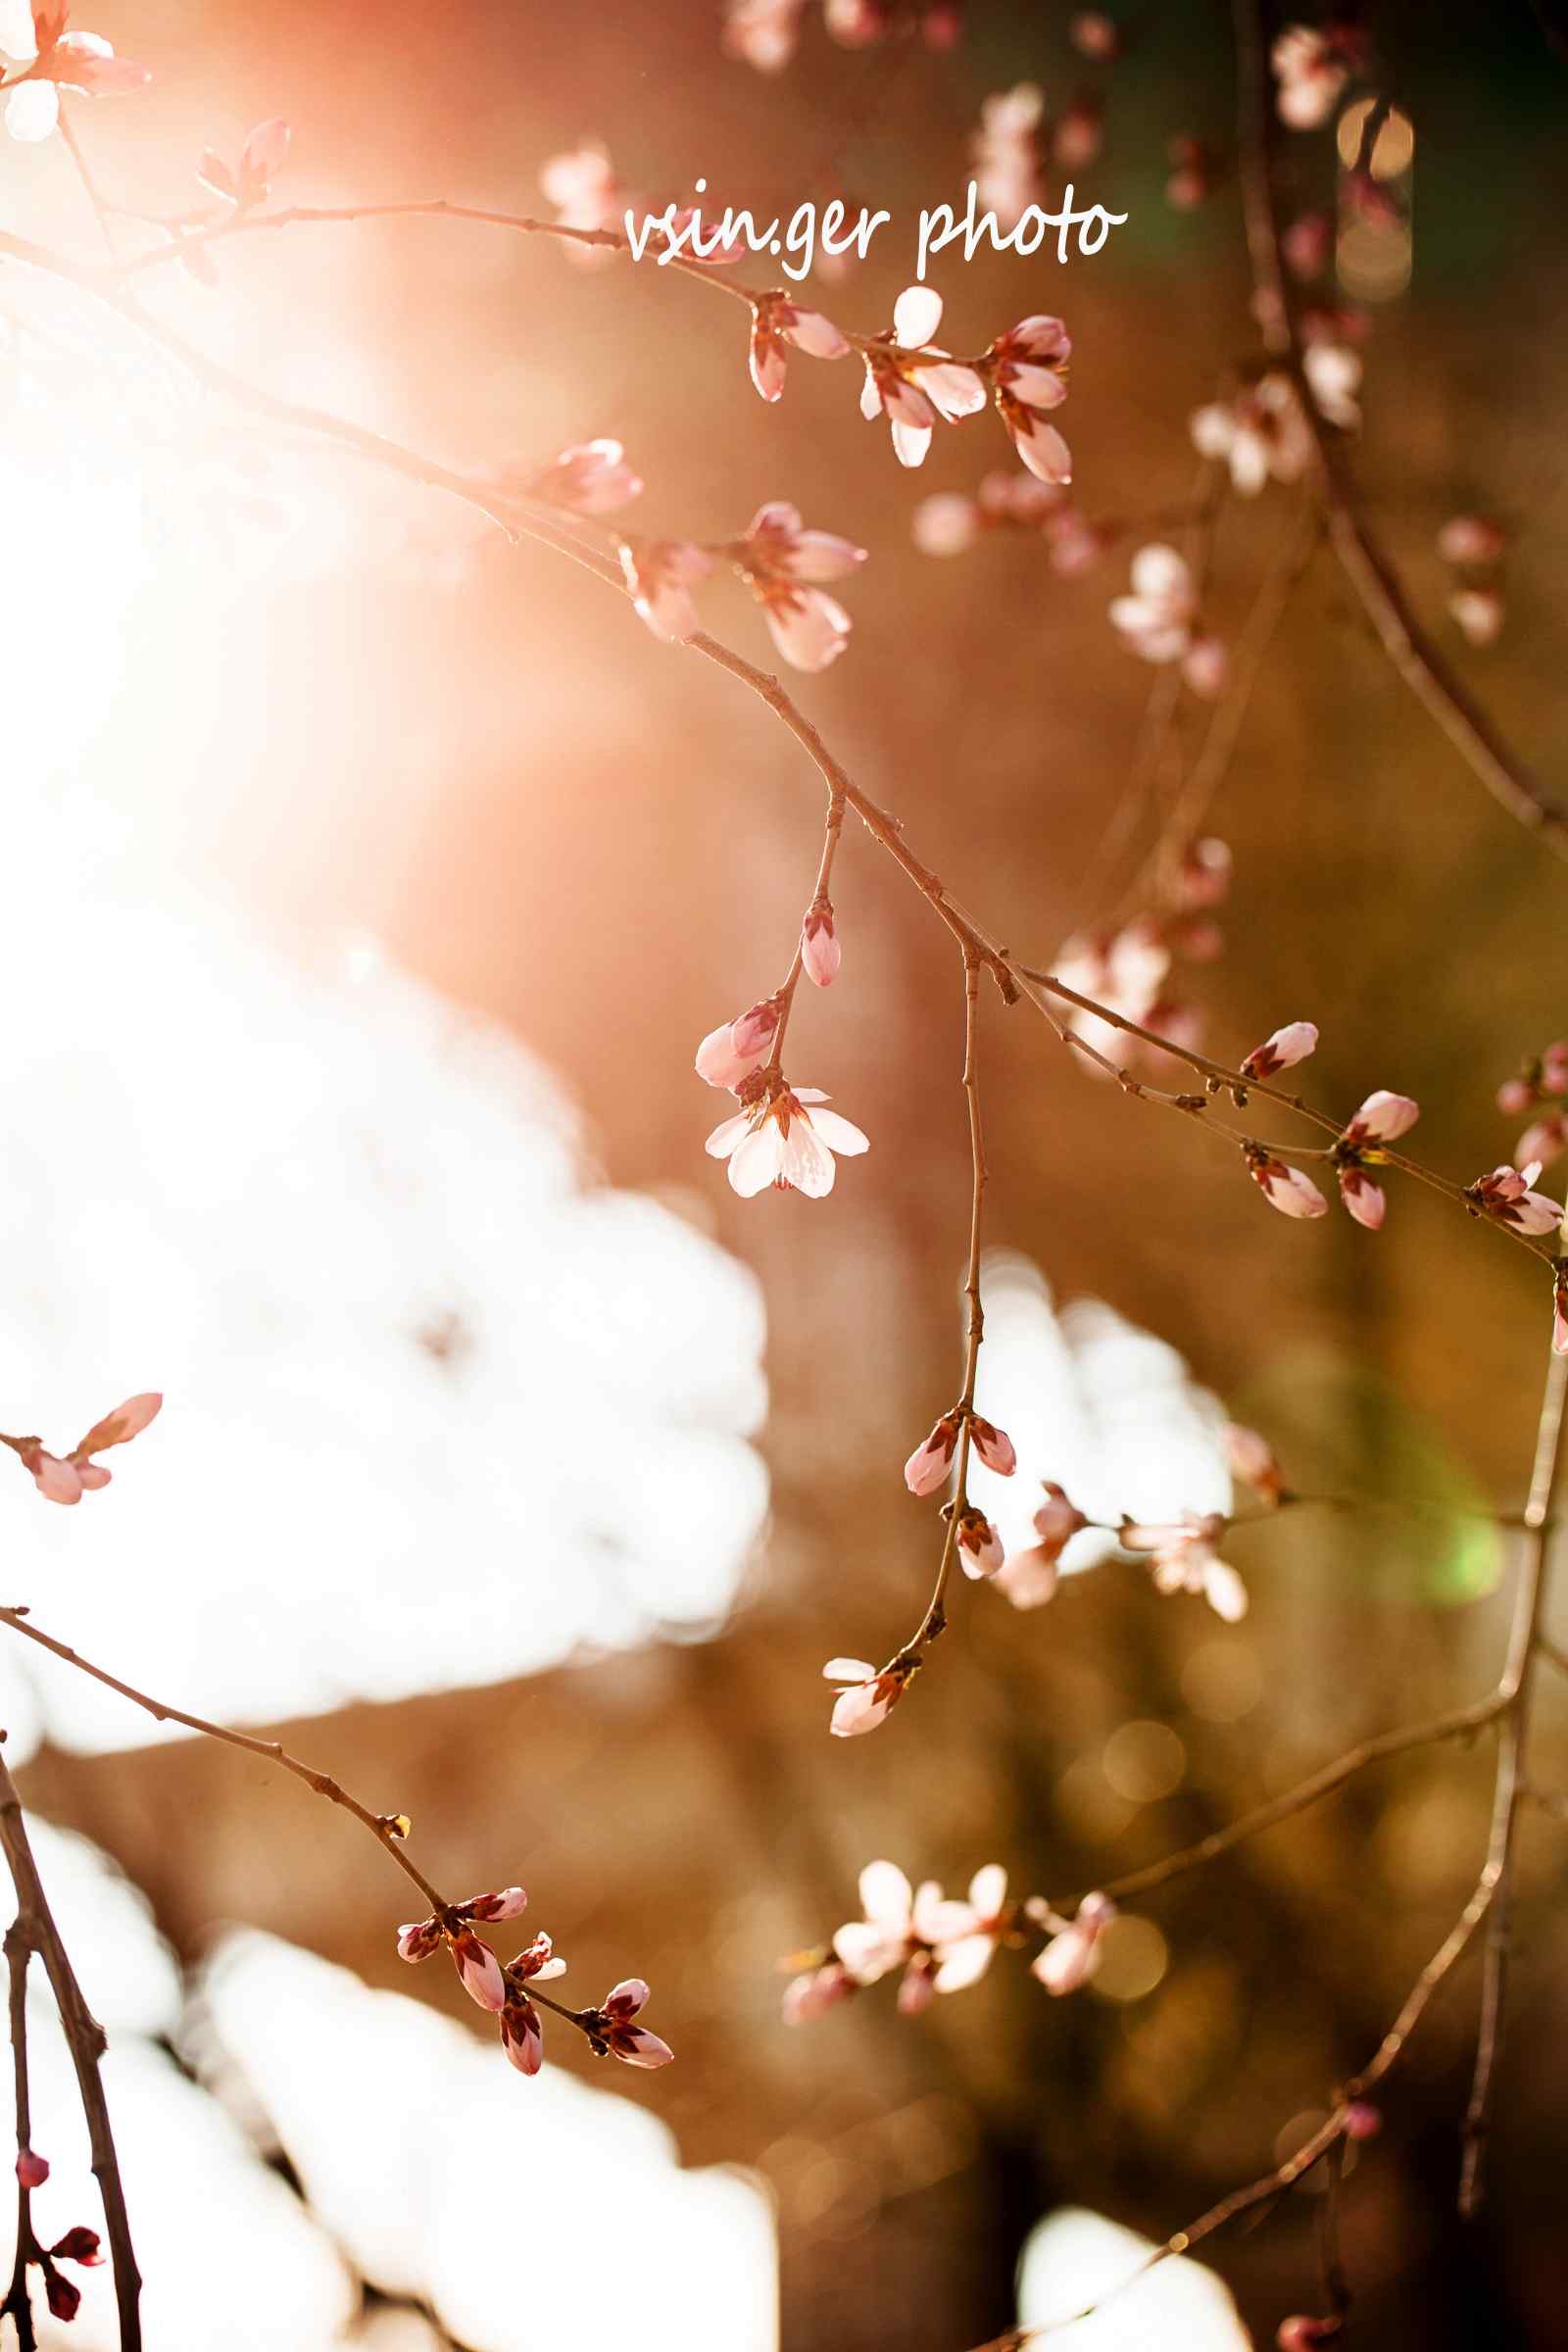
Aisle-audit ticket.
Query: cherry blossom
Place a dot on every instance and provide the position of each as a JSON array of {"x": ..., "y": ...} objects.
[
  {"x": 32, "y": 2170},
  {"x": 870, "y": 1695},
  {"x": 815, "y": 1991},
  {"x": 478, "y": 1970},
  {"x": 1252, "y": 1460},
  {"x": 591, "y": 477},
  {"x": 611, "y": 2025},
  {"x": 784, "y": 1138},
  {"x": 66, "y": 1478},
  {"x": 1029, "y": 1578},
  {"x": 1312, "y": 68},
  {"x": 1382, "y": 1118},
  {"x": 56, "y": 60},
  {"x": 780, "y": 559},
  {"x": 979, "y": 1544},
  {"x": 912, "y": 384},
  {"x": 763, "y": 32},
  {"x": 929, "y": 1465},
  {"x": 1334, "y": 375},
  {"x": 521, "y": 2027},
  {"x": 1094, "y": 35},
  {"x": 1505, "y": 1195},
  {"x": 778, "y": 320},
  {"x": 1203, "y": 876},
  {"x": 262, "y": 159},
  {"x": 821, "y": 953},
  {"x": 1281, "y": 1051},
  {"x": 732, "y": 1050},
  {"x": 1183, "y": 1559},
  {"x": 1073, "y": 1954},
  {"x": 1260, "y": 432},
  {"x": 1479, "y": 613},
  {"x": 660, "y": 574},
  {"x": 1156, "y": 619},
  {"x": 586, "y": 193},
  {"x": 1283, "y": 1188},
  {"x": 902, "y": 1926},
  {"x": 993, "y": 1445},
  {"x": 1027, "y": 367},
  {"x": 1466, "y": 539},
  {"x": 1005, "y": 153},
  {"x": 964, "y": 1959}
]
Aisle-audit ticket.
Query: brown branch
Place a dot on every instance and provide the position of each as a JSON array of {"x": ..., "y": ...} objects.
[
  {"x": 1517, "y": 1682},
  {"x": 1366, "y": 565},
  {"x": 17, "y": 2298},
  {"x": 86, "y": 2040},
  {"x": 381, "y": 1825}
]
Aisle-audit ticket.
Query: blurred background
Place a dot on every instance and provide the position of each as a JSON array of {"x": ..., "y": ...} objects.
[{"x": 367, "y": 883}]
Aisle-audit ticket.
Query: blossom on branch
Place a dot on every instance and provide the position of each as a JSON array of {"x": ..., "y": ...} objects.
[
  {"x": 57, "y": 60},
  {"x": 1283, "y": 1188},
  {"x": 1073, "y": 1954},
  {"x": 1029, "y": 1578},
  {"x": 812, "y": 1993},
  {"x": 1183, "y": 1559},
  {"x": 732, "y": 1050},
  {"x": 1027, "y": 367},
  {"x": 1312, "y": 68},
  {"x": 521, "y": 2027},
  {"x": 478, "y": 1970},
  {"x": 912, "y": 384},
  {"x": 869, "y": 1695},
  {"x": 964, "y": 1954},
  {"x": 783, "y": 1138},
  {"x": 1506, "y": 1197},
  {"x": 591, "y": 477},
  {"x": 1283, "y": 1050},
  {"x": 778, "y": 320},
  {"x": 1382, "y": 1118},
  {"x": 262, "y": 159},
  {"x": 1260, "y": 432},
  {"x": 902, "y": 1926},
  {"x": 1252, "y": 1460},
  {"x": 66, "y": 1478},
  {"x": 660, "y": 574},
  {"x": 781, "y": 561},
  {"x": 1156, "y": 619},
  {"x": 978, "y": 1543},
  {"x": 821, "y": 953},
  {"x": 610, "y": 2027}
]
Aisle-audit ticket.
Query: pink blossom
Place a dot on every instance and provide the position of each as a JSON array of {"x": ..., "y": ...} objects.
[
  {"x": 1311, "y": 69},
  {"x": 1183, "y": 1559},
  {"x": 1203, "y": 876},
  {"x": 591, "y": 477},
  {"x": 1363, "y": 2121},
  {"x": 776, "y": 540},
  {"x": 1333, "y": 374},
  {"x": 784, "y": 1138},
  {"x": 1544, "y": 1142},
  {"x": 912, "y": 384},
  {"x": 632, "y": 2044},
  {"x": 1260, "y": 432},
  {"x": 979, "y": 1544},
  {"x": 947, "y": 523},
  {"x": 1156, "y": 618},
  {"x": 262, "y": 159},
  {"x": 1555, "y": 1067},
  {"x": 763, "y": 33},
  {"x": 32, "y": 2170},
  {"x": 1505, "y": 1195},
  {"x": 993, "y": 1445},
  {"x": 929, "y": 1465},
  {"x": 58, "y": 60},
  {"x": 478, "y": 1970},
  {"x": 583, "y": 187},
  {"x": 1479, "y": 613},
  {"x": 732, "y": 1050},
  {"x": 522, "y": 2034},
  {"x": 1028, "y": 366},
  {"x": 821, "y": 953},
  {"x": 776, "y": 319},
  {"x": 1207, "y": 667},
  {"x": 1029, "y": 1578},
  {"x": 1281, "y": 1052},
  {"x": 963, "y": 1957},
  {"x": 1365, "y": 1200},
  {"x": 900, "y": 1926},
  {"x": 810, "y": 627},
  {"x": 1284, "y": 1188},
  {"x": 776, "y": 557},
  {"x": 1307, "y": 244},
  {"x": 1560, "y": 1315},
  {"x": 810, "y": 1995},
  {"x": 869, "y": 1696},
  {"x": 1471, "y": 539},
  {"x": 660, "y": 574},
  {"x": 1383, "y": 1119},
  {"x": 1252, "y": 1460},
  {"x": 1094, "y": 35},
  {"x": 1073, "y": 1954},
  {"x": 1515, "y": 1095},
  {"x": 1019, "y": 498},
  {"x": 67, "y": 1480}
]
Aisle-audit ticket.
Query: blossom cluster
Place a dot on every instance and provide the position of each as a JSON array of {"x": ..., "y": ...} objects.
[
  {"x": 1473, "y": 546},
  {"x": 764, "y": 33},
  {"x": 507, "y": 1991},
  {"x": 943, "y": 1946}
]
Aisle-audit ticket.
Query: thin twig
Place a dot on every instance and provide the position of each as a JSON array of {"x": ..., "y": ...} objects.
[
  {"x": 18, "y": 2299},
  {"x": 86, "y": 2040}
]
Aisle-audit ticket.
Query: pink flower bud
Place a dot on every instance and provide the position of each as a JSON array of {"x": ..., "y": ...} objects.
[
  {"x": 1544, "y": 1142},
  {"x": 64, "y": 2298},
  {"x": 419, "y": 1939},
  {"x": 1074, "y": 1956},
  {"x": 511, "y": 1902},
  {"x": 1555, "y": 1067},
  {"x": 993, "y": 1445},
  {"x": 1363, "y": 2121},
  {"x": 821, "y": 953},
  {"x": 1252, "y": 1460},
  {"x": 1515, "y": 1095},
  {"x": 1479, "y": 613},
  {"x": 264, "y": 154},
  {"x": 752, "y": 1032},
  {"x": 478, "y": 1970},
  {"x": 1284, "y": 1188},
  {"x": 32, "y": 2170},
  {"x": 731, "y": 1052},
  {"x": 79, "y": 2245},
  {"x": 1383, "y": 1119},
  {"x": 1300, "y": 2334},
  {"x": 979, "y": 1544},
  {"x": 1365, "y": 1200},
  {"x": 1281, "y": 1052},
  {"x": 1470, "y": 539},
  {"x": 927, "y": 1466}
]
